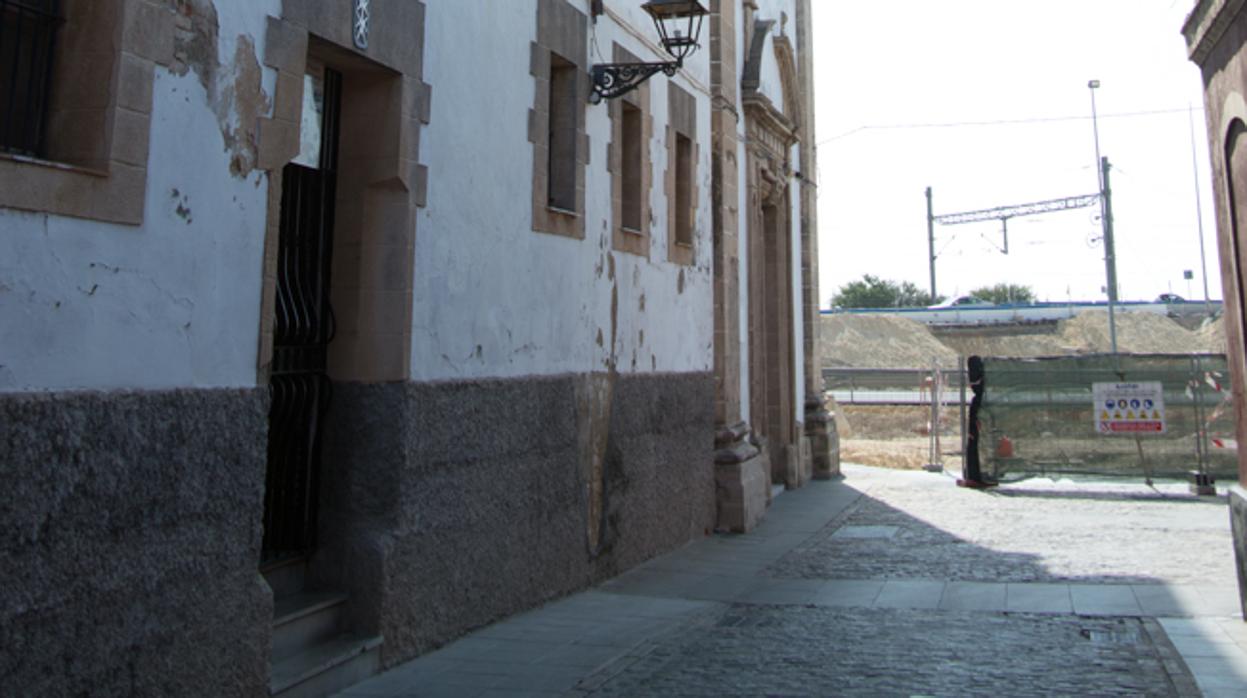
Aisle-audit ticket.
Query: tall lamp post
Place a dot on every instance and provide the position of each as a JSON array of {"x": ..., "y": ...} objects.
[{"x": 1110, "y": 264}]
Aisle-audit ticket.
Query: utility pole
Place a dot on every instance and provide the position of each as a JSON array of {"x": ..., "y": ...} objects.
[
  {"x": 1199, "y": 213},
  {"x": 1110, "y": 260},
  {"x": 931, "y": 242}
]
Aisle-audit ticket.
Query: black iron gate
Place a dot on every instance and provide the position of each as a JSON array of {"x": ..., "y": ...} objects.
[{"x": 299, "y": 385}]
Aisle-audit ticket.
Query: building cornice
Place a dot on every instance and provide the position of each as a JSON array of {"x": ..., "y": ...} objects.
[{"x": 1206, "y": 25}]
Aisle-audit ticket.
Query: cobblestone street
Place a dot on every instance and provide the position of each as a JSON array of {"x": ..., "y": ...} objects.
[{"x": 896, "y": 584}]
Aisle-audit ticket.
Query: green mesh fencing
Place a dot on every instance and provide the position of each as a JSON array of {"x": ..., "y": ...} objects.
[{"x": 1145, "y": 416}]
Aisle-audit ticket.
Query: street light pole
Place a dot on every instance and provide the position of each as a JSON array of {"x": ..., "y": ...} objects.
[{"x": 1110, "y": 264}]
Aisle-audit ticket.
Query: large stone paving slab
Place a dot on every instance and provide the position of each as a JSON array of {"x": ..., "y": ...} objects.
[
  {"x": 907, "y": 528},
  {"x": 799, "y": 650}
]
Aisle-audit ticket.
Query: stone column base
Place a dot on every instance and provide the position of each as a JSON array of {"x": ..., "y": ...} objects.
[
  {"x": 1238, "y": 523},
  {"x": 820, "y": 428},
  {"x": 742, "y": 474}
]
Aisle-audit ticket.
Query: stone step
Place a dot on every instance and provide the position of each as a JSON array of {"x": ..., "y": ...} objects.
[
  {"x": 326, "y": 668},
  {"x": 286, "y": 577},
  {"x": 301, "y": 621}
]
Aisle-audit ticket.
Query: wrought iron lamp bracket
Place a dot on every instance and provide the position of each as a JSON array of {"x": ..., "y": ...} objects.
[{"x": 611, "y": 80}]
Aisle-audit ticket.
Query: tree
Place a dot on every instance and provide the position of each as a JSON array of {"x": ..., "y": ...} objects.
[
  {"x": 873, "y": 292},
  {"x": 1005, "y": 293}
]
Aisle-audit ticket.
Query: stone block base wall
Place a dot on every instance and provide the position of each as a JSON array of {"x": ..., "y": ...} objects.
[
  {"x": 744, "y": 493},
  {"x": 820, "y": 427},
  {"x": 450, "y": 505},
  {"x": 1238, "y": 522},
  {"x": 130, "y": 532}
]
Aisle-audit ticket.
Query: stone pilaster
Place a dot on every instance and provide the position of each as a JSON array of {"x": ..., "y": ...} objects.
[
  {"x": 742, "y": 471},
  {"x": 819, "y": 426}
]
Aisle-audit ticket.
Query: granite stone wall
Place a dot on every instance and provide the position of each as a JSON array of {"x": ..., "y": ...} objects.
[
  {"x": 130, "y": 532},
  {"x": 449, "y": 505},
  {"x": 1238, "y": 526}
]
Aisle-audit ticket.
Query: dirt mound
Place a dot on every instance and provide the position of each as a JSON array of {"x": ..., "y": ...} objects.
[
  {"x": 1212, "y": 336},
  {"x": 1037, "y": 344},
  {"x": 880, "y": 341},
  {"x": 1137, "y": 333},
  {"x": 883, "y": 341}
]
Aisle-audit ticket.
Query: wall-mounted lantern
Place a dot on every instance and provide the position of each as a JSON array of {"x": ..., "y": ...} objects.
[{"x": 679, "y": 28}]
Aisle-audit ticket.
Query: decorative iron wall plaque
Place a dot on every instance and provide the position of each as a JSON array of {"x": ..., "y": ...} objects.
[{"x": 360, "y": 21}]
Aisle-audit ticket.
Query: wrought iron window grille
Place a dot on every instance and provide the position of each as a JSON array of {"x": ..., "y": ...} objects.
[{"x": 28, "y": 31}]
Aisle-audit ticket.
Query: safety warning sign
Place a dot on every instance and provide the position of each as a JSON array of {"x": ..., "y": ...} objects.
[{"x": 1129, "y": 408}]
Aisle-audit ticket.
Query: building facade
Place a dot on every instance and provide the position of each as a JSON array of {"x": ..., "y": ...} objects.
[
  {"x": 1216, "y": 35},
  {"x": 348, "y": 326}
]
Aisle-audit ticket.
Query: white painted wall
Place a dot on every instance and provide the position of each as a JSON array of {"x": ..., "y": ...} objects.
[
  {"x": 173, "y": 302},
  {"x": 492, "y": 297},
  {"x": 772, "y": 87},
  {"x": 742, "y": 251}
]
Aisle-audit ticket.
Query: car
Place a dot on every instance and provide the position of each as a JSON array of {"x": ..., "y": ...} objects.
[
  {"x": 1170, "y": 298},
  {"x": 962, "y": 302}
]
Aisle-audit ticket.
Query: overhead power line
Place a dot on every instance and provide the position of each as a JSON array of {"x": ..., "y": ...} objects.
[{"x": 999, "y": 122}]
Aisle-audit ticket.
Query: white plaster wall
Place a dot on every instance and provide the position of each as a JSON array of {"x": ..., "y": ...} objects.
[
  {"x": 743, "y": 232},
  {"x": 771, "y": 86},
  {"x": 493, "y": 298},
  {"x": 173, "y": 302}
]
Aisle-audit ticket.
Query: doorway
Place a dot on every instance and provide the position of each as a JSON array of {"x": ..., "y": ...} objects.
[{"x": 304, "y": 326}]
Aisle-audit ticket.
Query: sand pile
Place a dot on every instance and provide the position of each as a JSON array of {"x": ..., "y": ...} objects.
[
  {"x": 1137, "y": 333},
  {"x": 880, "y": 341},
  {"x": 1037, "y": 344},
  {"x": 1212, "y": 335}
]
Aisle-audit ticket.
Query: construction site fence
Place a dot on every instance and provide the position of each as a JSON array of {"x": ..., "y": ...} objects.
[{"x": 1146, "y": 416}]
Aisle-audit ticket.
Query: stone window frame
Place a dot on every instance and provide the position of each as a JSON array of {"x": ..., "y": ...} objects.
[
  {"x": 562, "y": 30},
  {"x": 681, "y": 121},
  {"x": 630, "y": 240},
  {"x": 98, "y": 172}
]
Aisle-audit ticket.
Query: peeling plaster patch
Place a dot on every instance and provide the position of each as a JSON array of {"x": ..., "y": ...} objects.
[
  {"x": 679, "y": 284},
  {"x": 601, "y": 340},
  {"x": 641, "y": 338},
  {"x": 642, "y": 302},
  {"x": 610, "y": 259},
  {"x": 234, "y": 91},
  {"x": 183, "y": 211},
  {"x": 653, "y": 362}
]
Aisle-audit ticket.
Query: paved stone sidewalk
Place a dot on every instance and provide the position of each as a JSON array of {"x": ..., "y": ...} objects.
[{"x": 890, "y": 583}]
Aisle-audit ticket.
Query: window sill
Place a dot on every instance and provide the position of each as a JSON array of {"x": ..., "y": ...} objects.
[
  {"x": 632, "y": 231},
  {"x": 50, "y": 164},
  {"x": 562, "y": 212}
]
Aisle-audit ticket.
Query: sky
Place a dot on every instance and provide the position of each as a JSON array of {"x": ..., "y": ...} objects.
[{"x": 892, "y": 79}]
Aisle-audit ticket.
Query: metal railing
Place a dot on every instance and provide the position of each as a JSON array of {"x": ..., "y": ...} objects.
[
  {"x": 27, "y": 43},
  {"x": 885, "y": 386}
]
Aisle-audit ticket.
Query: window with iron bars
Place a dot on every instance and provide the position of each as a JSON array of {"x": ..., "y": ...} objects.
[{"x": 27, "y": 42}]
